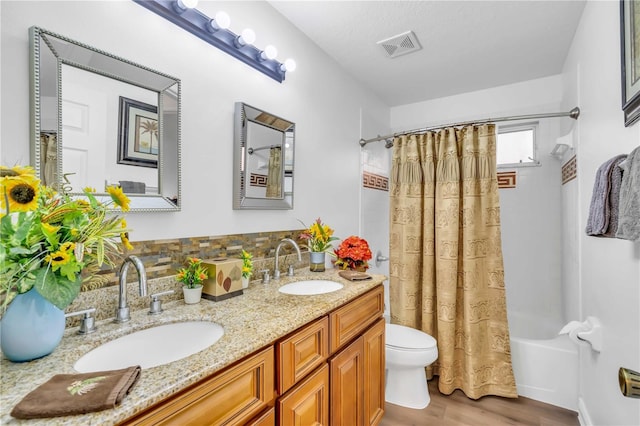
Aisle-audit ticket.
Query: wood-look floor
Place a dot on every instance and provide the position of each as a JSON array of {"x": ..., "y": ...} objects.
[{"x": 458, "y": 410}]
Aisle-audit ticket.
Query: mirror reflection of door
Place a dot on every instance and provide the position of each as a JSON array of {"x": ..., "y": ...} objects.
[
  {"x": 90, "y": 132},
  {"x": 84, "y": 133}
]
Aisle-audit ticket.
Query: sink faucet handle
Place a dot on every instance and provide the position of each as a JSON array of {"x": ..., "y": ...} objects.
[
  {"x": 88, "y": 324},
  {"x": 265, "y": 276},
  {"x": 155, "y": 306},
  {"x": 290, "y": 271}
]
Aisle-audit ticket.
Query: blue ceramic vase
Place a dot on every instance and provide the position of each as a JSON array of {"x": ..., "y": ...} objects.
[{"x": 31, "y": 327}]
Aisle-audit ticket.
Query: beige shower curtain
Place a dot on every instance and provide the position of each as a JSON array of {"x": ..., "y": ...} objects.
[
  {"x": 446, "y": 268},
  {"x": 274, "y": 176}
]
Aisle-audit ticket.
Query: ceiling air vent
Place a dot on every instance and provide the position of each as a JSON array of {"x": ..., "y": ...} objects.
[{"x": 400, "y": 45}]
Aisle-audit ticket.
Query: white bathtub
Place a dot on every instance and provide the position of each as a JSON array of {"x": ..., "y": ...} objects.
[{"x": 545, "y": 365}]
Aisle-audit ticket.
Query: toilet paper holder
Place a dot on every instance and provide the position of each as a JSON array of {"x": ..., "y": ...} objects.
[{"x": 589, "y": 331}]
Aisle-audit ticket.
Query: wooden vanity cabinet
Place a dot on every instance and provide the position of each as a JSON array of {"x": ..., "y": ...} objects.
[
  {"x": 328, "y": 372},
  {"x": 231, "y": 397},
  {"x": 352, "y": 381}
]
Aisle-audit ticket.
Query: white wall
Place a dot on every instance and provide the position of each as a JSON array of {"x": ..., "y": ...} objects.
[
  {"x": 608, "y": 270},
  {"x": 530, "y": 213},
  {"x": 319, "y": 97}
]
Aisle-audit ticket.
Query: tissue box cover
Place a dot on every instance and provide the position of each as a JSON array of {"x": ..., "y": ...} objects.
[{"x": 225, "y": 278}]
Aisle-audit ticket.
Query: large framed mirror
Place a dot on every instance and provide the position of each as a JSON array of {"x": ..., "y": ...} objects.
[
  {"x": 98, "y": 120},
  {"x": 263, "y": 159}
]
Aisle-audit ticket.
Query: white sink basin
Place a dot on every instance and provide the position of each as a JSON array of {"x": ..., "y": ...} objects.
[
  {"x": 310, "y": 287},
  {"x": 151, "y": 347}
]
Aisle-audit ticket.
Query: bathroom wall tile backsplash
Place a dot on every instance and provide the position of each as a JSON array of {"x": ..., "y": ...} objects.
[
  {"x": 569, "y": 170},
  {"x": 375, "y": 181},
  {"x": 162, "y": 258}
]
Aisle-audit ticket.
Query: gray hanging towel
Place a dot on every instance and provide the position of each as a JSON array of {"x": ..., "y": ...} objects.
[
  {"x": 599, "y": 209},
  {"x": 629, "y": 205},
  {"x": 615, "y": 181}
]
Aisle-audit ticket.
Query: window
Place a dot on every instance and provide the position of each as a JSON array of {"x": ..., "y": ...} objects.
[{"x": 516, "y": 146}]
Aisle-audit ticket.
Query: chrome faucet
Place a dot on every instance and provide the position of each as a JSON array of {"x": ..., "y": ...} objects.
[
  {"x": 276, "y": 270},
  {"x": 122, "y": 312}
]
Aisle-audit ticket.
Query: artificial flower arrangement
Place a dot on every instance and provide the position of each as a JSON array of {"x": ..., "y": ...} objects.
[
  {"x": 247, "y": 263},
  {"x": 353, "y": 253},
  {"x": 194, "y": 274},
  {"x": 318, "y": 236},
  {"x": 54, "y": 242}
]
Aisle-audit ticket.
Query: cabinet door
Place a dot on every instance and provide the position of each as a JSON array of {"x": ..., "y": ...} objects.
[
  {"x": 229, "y": 398},
  {"x": 374, "y": 373},
  {"x": 308, "y": 402},
  {"x": 300, "y": 353},
  {"x": 347, "y": 385}
]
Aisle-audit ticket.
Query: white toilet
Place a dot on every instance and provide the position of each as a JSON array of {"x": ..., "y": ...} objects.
[{"x": 408, "y": 351}]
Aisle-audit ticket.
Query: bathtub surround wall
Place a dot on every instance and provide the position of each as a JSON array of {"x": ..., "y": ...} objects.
[{"x": 602, "y": 274}]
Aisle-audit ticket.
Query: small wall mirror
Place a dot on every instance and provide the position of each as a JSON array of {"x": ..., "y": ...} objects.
[
  {"x": 98, "y": 120},
  {"x": 263, "y": 159}
]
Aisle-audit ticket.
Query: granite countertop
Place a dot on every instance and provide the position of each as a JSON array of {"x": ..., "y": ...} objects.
[{"x": 251, "y": 321}]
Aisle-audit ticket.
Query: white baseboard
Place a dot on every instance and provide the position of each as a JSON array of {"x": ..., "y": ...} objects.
[{"x": 583, "y": 414}]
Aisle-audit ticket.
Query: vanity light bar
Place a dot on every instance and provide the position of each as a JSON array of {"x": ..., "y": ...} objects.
[{"x": 199, "y": 24}]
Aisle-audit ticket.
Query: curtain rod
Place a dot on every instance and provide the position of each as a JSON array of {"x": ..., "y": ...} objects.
[{"x": 574, "y": 113}]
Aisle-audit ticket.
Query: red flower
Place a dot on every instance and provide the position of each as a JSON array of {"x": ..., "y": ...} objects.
[{"x": 353, "y": 253}]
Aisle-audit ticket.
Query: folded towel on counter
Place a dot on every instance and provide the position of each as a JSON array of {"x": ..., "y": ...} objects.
[
  {"x": 629, "y": 206},
  {"x": 70, "y": 394},
  {"x": 615, "y": 181},
  {"x": 354, "y": 275},
  {"x": 599, "y": 209}
]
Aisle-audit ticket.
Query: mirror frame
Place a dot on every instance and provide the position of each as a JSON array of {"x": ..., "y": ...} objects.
[
  {"x": 138, "y": 202},
  {"x": 240, "y": 152}
]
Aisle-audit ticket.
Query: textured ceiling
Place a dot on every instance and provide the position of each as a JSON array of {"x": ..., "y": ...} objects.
[{"x": 466, "y": 45}]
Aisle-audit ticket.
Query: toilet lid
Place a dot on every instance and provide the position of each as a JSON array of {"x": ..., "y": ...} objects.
[{"x": 408, "y": 338}]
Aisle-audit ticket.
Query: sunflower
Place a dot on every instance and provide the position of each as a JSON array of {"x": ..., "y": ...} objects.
[
  {"x": 118, "y": 197},
  {"x": 58, "y": 258},
  {"x": 68, "y": 246},
  {"x": 17, "y": 171},
  {"x": 20, "y": 192}
]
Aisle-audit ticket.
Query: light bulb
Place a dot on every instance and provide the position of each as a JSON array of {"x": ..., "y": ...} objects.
[
  {"x": 222, "y": 19},
  {"x": 182, "y": 5},
  {"x": 269, "y": 52},
  {"x": 289, "y": 65},
  {"x": 248, "y": 36}
]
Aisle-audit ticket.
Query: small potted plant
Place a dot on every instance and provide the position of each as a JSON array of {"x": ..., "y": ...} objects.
[
  {"x": 353, "y": 253},
  {"x": 319, "y": 237},
  {"x": 247, "y": 267},
  {"x": 192, "y": 277}
]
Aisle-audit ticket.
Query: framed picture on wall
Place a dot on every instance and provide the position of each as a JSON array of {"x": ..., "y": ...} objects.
[
  {"x": 137, "y": 133},
  {"x": 630, "y": 54}
]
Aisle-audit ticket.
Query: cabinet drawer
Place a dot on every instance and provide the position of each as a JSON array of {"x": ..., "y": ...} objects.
[
  {"x": 229, "y": 398},
  {"x": 300, "y": 353},
  {"x": 268, "y": 418},
  {"x": 352, "y": 319},
  {"x": 308, "y": 402}
]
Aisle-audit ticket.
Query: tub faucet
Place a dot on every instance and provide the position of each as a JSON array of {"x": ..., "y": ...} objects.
[
  {"x": 122, "y": 312},
  {"x": 276, "y": 270}
]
